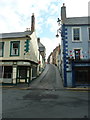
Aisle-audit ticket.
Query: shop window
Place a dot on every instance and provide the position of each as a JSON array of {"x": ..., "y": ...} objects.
[{"x": 7, "y": 72}]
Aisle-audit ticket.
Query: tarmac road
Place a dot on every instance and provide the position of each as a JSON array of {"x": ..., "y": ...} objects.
[
  {"x": 50, "y": 79},
  {"x": 45, "y": 98}
]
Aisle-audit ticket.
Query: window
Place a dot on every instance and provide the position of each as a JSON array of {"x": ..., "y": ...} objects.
[
  {"x": 1, "y": 49},
  {"x": 89, "y": 33},
  {"x": 15, "y": 47},
  {"x": 76, "y": 34},
  {"x": 7, "y": 72},
  {"x": 77, "y": 54},
  {"x": 1, "y": 72}
]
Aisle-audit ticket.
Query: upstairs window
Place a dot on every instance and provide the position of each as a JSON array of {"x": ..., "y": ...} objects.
[
  {"x": 76, "y": 34},
  {"x": 15, "y": 48},
  {"x": 77, "y": 54},
  {"x": 1, "y": 49}
]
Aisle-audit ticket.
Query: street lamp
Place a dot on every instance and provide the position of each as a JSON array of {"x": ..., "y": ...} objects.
[{"x": 59, "y": 30}]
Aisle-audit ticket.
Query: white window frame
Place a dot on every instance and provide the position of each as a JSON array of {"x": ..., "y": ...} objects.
[{"x": 73, "y": 34}]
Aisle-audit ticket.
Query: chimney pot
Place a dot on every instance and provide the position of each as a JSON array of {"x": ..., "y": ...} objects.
[
  {"x": 32, "y": 23},
  {"x": 38, "y": 40},
  {"x": 63, "y": 4}
]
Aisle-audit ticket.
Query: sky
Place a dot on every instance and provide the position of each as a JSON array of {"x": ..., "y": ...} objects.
[{"x": 15, "y": 16}]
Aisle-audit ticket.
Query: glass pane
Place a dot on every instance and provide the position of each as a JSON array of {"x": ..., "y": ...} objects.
[
  {"x": 1, "y": 49},
  {"x": 77, "y": 54},
  {"x": 76, "y": 33},
  {"x": 15, "y": 48},
  {"x": 1, "y": 71},
  {"x": 7, "y": 72},
  {"x": 0, "y": 45},
  {"x": 23, "y": 72},
  {"x": 15, "y": 45},
  {"x": 89, "y": 33}
]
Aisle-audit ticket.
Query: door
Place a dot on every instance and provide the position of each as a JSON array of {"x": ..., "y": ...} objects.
[
  {"x": 22, "y": 74},
  {"x": 81, "y": 75}
]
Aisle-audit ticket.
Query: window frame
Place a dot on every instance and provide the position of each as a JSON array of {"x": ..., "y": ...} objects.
[
  {"x": 88, "y": 33},
  {"x": 11, "y": 45},
  {"x": 2, "y": 54},
  {"x": 81, "y": 54},
  {"x": 79, "y": 34}
]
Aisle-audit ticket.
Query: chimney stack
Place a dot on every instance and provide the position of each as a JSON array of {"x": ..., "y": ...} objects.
[
  {"x": 32, "y": 23},
  {"x": 63, "y": 13},
  {"x": 38, "y": 39}
]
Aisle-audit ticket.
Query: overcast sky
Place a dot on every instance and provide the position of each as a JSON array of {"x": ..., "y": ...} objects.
[{"x": 15, "y": 16}]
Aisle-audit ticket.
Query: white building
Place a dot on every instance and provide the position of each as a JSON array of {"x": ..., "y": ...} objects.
[{"x": 19, "y": 56}]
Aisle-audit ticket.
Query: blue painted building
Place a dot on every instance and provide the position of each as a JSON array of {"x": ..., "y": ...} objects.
[{"x": 75, "y": 34}]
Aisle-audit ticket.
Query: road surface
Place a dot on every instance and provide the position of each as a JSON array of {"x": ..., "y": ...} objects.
[{"x": 45, "y": 98}]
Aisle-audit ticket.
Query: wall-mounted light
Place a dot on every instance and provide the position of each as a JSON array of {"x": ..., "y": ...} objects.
[{"x": 59, "y": 30}]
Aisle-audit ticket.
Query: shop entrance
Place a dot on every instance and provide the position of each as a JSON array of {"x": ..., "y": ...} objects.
[
  {"x": 22, "y": 74},
  {"x": 82, "y": 75}
]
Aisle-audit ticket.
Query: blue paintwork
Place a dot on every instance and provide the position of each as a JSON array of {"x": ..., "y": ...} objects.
[{"x": 69, "y": 45}]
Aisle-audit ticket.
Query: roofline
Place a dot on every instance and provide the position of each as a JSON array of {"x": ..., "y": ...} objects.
[
  {"x": 15, "y": 37},
  {"x": 76, "y": 24},
  {"x": 10, "y": 37}
]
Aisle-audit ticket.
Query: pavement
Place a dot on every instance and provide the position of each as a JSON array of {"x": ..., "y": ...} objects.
[{"x": 26, "y": 87}]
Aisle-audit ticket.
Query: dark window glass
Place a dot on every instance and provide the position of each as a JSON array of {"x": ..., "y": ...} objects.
[
  {"x": 1, "y": 49},
  {"x": 7, "y": 72},
  {"x": 23, "y": 72},
  {"x": 1, "y": 71},
  {"x": 89, "y": 33}
]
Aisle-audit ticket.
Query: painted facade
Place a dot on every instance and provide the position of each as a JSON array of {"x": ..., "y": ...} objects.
[
  {"x": 55, "y": 57},
  {"x": 75, "y": 50},
  {"x": 19, "y": 56}
]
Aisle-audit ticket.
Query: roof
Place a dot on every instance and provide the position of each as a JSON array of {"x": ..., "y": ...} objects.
[
  {"x": 41, "y": 46},
  {"x": 15, "y": 34},
  {"x": 77, "y": 21}
]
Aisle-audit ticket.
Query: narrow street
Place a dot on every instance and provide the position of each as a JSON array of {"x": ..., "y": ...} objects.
[
  {"x": 49, "y": 79},
  {"x": 45, "y": 98}
]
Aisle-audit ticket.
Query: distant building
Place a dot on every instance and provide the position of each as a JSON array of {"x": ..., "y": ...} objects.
[
  {"x": 55, "y": 57},
  {"x": 49, "y": 60},
  {"x": 75, "y": 50},
  {"x": 19, "y": 56},
  {"x": 42, "y": 55}
]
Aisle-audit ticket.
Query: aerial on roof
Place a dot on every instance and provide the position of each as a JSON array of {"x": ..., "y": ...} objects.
[
  {"x": 15, "y": 34},
  {"x": 77, "y": 21}
]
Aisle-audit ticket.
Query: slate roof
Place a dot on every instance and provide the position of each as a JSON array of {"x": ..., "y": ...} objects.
[
  {"x": 15, "y": 34},
  {"x": 77, "y": 21},
  {"x": 41, "y": 47}
]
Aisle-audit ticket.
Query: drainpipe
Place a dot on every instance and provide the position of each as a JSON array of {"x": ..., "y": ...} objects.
[{"x": 64, "y": 55}]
